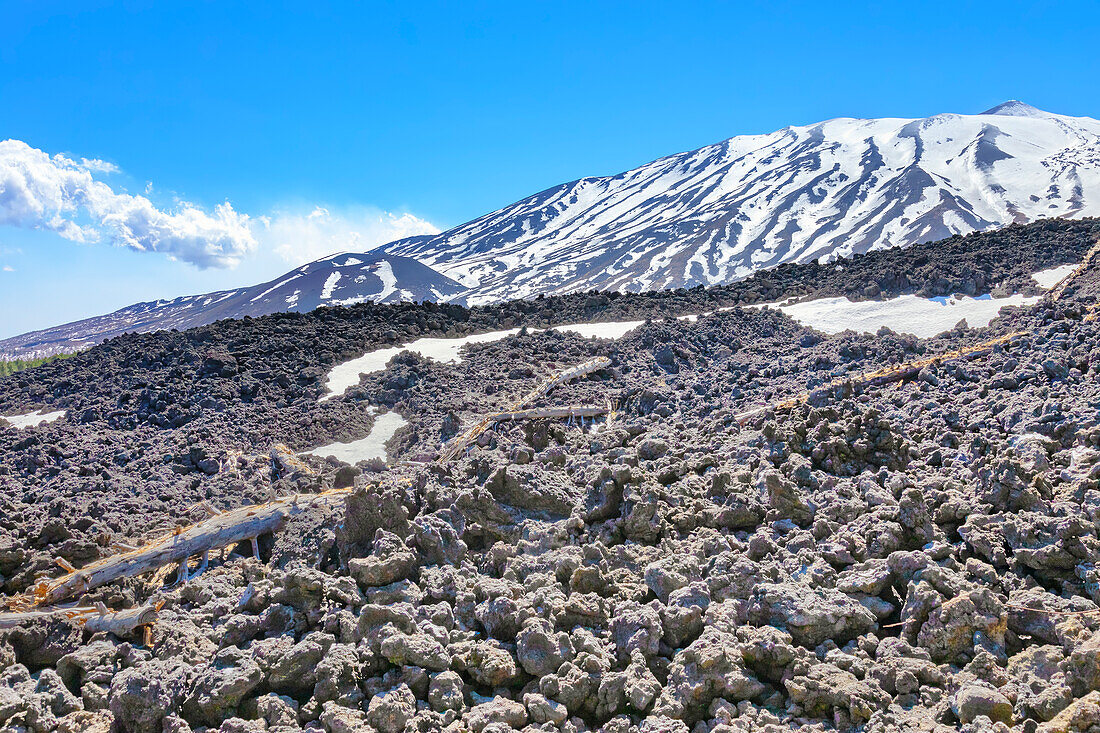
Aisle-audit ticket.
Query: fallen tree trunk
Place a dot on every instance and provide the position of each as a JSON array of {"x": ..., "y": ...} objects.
[
  {"x": 93, "y": 618},
  {"x": 592, "y": 365},
  {"x": 222, "y": 530},
  {"x": 459, "y": 444},
  {"x": 1086, "y": 262},
  {"x": 550, "y": 412},
  {"x": 122, "y": 623},
  {"x": 899, "y": 373}
]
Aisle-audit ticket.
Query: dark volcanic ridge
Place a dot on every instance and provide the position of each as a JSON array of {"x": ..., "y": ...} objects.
[
  {"x": 911, "y": 555},
  {"x": 930, "y": 269}
]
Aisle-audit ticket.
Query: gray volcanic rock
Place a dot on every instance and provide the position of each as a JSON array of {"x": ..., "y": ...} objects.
[{"x": 719, "y": 555}]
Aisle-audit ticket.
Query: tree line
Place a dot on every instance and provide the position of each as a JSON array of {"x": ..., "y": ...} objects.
[{"x": 18, "y": 365}]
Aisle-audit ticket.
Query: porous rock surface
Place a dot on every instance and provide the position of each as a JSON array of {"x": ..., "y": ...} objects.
[{"x": 913, "y": 556}]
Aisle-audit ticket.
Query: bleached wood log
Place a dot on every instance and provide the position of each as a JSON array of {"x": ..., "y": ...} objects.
[
  {"x": 592, "y": 365},
  {"x": 14, "y": 620},
  {"x": 226, "y": 529},
  {"x": 549, "y": 412},
  {"x": 459, "y": 444},
  {"x": 92, "y": 618},
  {"x": 568, "y": 375},
  {"x": 899, "y": 373},
  {"x": 1086, "y": 262},
  {"x": 121, "y": 623}
]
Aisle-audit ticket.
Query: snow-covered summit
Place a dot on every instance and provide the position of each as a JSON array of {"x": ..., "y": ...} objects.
[
  {"x": 823, "y": 190},
  {"x": 1016, "y": 108}
]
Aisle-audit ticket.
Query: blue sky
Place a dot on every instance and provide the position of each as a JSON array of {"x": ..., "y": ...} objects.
[{"x": 384, "y": 118}]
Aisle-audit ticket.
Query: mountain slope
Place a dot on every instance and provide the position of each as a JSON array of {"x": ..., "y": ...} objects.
[
  {"x": 709, "y": 216},
  {"x": 340, "y": 279},
  {"x": 830, "y": 189}
]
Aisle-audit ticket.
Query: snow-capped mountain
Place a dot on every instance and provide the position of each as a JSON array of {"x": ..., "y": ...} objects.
[
  {"x": 340, "y": 279},
  {"x": 708, "y": 216},
  {"x": 719, "y": 213}
]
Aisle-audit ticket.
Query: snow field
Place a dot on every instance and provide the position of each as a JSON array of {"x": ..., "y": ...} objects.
[{"x": 922, "y": 317}]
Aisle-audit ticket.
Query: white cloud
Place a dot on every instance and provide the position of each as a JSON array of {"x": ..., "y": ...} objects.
[
  {"x": 304, "y": 236},
  {"x": 8, "y": 268},
  {"x": 66, "y": 196},
  {"x": 62, "y": 195},
  {"x": 98, "y": 166}
]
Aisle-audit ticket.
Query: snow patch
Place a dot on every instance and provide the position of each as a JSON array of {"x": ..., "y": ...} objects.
[
  {"x": 1049, "y": 278},
  {"x": 922, "y": 317},
  {"x": 330, "y": 284},
  {"x": 32, "y": 419},
  {"x": 611, "y": 330},
  {"x": 384, "y": 271},
  {"x": 364, "y": 449},
  {"x": 276, "y": 286},
  {"x": 448, "y": 351}
]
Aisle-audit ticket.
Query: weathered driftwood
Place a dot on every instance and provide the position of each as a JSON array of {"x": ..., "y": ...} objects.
[
  {"x": 14, "y": 620},
  {"x": 285, "y": 462},
  {"x": 899, "y": 373},
  {"x": 537, "y": 413},
  {"x": 229, "y": 528},
  {"x": 92, "y": 618},
  {"x": 459, "y": 444},
  {"x": 592, "y": 365},
  {"x": 1086, "y": 262},
  {"x": 121, "y": 623}
]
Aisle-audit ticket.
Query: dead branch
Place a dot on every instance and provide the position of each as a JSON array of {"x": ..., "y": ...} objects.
[
  {"x": 899, "y": 373},
  {"x": 1086, "y": 262},
  {"x": 549, "y": 412},
  {"x": 92, "y": 618},
  {"x": 224, "y": 530},
  {"x": 592, "y": 365},
  {"x": 122, "y": 623},
  {"x": 459, "y": 444}
]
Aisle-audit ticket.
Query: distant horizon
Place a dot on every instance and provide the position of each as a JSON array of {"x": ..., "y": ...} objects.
[{"x": 211, "y": 162}]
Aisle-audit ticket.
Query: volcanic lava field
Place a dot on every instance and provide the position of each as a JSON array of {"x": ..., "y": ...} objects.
[{"x": 720, "y": 520}]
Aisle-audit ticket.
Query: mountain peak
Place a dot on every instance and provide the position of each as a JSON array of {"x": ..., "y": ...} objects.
[
  {"x": 1016, "y": 108},
  {"x": 707, "y": 216}
]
